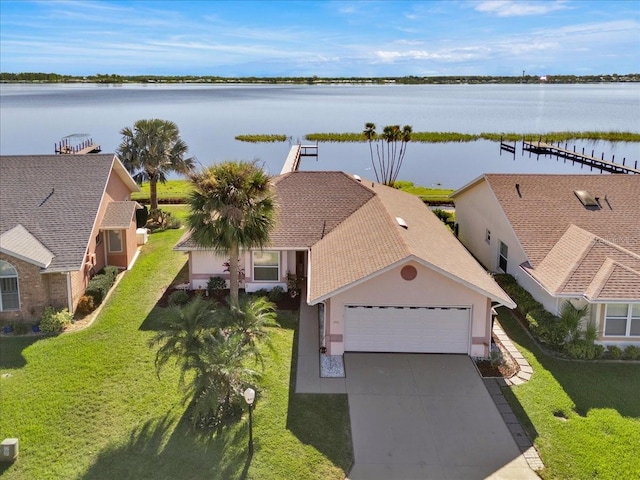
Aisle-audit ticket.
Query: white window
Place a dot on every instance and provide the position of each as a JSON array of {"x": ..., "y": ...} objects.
[
  {"x": 9, "y": 294},
  {"x": 504, "y": 254},
  {"x": 622, "y": 320},
  {"x": 266, "y": 266},
  {"x": 115, "y": 241},
  {"x": 487, "y": 236}
]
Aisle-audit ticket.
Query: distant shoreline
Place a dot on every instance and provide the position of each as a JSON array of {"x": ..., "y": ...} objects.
[{"x": 56, "y": 78}]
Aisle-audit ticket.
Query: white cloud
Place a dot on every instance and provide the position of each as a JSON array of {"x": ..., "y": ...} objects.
[{"x": 514, "y": 8}]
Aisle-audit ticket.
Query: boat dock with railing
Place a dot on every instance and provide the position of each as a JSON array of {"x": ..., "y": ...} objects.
[{"x": 77, "y": 144}]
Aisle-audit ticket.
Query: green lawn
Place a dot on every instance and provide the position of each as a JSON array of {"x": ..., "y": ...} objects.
[
  {"x": 171, "y": 189},
  {"x": 89, "y": 404},
  {"x": 584, "y": 417}
]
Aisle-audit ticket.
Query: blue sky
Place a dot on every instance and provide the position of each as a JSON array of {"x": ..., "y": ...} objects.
[{"x": 328, "y": 39}]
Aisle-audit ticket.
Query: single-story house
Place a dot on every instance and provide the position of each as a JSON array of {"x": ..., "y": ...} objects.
[
  {"x": 62, "y": 219},
  {"x": 563, "y": 237},
  {"x": 388, "y": 275}
]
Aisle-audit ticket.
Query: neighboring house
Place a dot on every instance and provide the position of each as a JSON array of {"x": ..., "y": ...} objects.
[
  {"x": 563, "y": 237},
  {"x": 389, "y": 275},
  {"x": 62, "y": 219}
]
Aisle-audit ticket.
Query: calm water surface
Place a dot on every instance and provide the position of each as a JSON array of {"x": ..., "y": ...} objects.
[{"x": 34, "y": 117}]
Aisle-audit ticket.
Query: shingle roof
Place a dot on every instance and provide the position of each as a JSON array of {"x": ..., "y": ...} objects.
[
  {"x": 373, "y": 240},
  {"x": 568, "y": 244},
  {"x": 118, "y": 215},
  {"x": 19, "y": 243},
  {"x": 56, "y": 198},
  {"x": 341, "y": 218},
  {"x": 308, "y": 206}
]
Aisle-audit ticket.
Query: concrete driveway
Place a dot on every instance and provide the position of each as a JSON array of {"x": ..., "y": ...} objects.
[{"x": 419, "y": 416}]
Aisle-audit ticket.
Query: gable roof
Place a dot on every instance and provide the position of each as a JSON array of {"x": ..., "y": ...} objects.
[
  {"x": 374, "y": 240},
  {"x": 19, "y": 243},
  {"x": 119, "y": 215},
  {"x": 56, "y": 199},
  {"x": 573, "y": 249}
]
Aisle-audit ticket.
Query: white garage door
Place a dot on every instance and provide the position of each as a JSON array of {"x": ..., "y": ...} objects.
[{"x": 407, "y": 329}]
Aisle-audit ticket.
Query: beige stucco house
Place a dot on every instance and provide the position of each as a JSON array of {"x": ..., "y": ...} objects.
[
  {"x": 62, "y": 219},
  {"x": 563, "y": 237},
  {"x": 388, "y": 275}
]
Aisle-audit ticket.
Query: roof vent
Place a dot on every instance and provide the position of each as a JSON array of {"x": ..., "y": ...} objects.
[
  {"x": 357, "y": 177},
  {"x": 401, "y": 222},
  {"x": 586, "y": 198}
]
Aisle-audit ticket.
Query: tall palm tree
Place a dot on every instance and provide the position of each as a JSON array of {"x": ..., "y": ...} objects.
[
  {"x": 391, "y": 147},
  {"x": 152, "y": 149},
  {"x": 370, "y": 135},
  {"x": 231, "y": 207}
]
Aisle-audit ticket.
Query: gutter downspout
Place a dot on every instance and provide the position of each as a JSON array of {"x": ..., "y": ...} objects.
[{"x": 69, "y": 295}]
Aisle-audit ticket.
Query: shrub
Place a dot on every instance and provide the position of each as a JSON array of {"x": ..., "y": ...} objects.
[
  {"x": 100, "y": 285},
  {"x": 547, "y": 327},
  {"x": 263, "y": 292},
  {"x": 216, "y": 285},
  {"x": 583, "y": 349},
  {"x": 631, "y": 352},
  {"x": 495, "y": 357},
  {"x": 54, "y": 322},
  {"x": 526, "y": 303},
  {"x": 21, "y": 328},
  {"x": 179, "y": 297},
  {"x": 174, "y": 223},
  {"x": 85, "y": 305},
  {"x": 276, "y": 293},
  {"x": 111, "y": 272},
  {"x": 614, "y": 352}
]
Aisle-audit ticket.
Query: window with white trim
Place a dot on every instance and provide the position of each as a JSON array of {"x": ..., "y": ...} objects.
[
  {"x": 622, "y": 320},
  {"x": 115, "y": 241},
  {"x": 9, "y": 293},
  {"x": 266, "y": 266},
  {"x": 502, "y": 259}
]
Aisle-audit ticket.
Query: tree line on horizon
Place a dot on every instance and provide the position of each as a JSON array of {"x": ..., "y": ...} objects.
[{"x": 41, "y": 77}]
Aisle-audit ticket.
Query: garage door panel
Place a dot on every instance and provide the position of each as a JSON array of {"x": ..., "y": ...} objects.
[{"x": 416, "y": 329}]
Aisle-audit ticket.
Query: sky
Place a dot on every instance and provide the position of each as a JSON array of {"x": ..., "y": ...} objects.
[{"x": 343, "y": 38}]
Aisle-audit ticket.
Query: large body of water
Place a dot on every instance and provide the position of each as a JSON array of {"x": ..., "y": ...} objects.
[{"x": 34, "y": 117}]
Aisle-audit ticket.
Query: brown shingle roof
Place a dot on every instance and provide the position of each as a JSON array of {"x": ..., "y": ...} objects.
[
  {"x": 373, "y": 240},
  {"x": 569, "y": 245},
  {"x": 118, "y": 215}
]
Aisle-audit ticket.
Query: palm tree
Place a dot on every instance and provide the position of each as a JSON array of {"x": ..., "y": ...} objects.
[
  {"x": 220, "y": 376},
  {"x": 570, "y": 317},
  {"x": 151, "y": 150},
  {"x": 184, "y": 335},
  {"x": 248, "y": 318},
  {"x": 370, "y": 135},
  {"x": 231, "y": 207},
  {"x": 390, "y": 155}
]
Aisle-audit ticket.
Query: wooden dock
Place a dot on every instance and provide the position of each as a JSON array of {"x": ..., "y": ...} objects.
[
  {"x": 542, "y": 148},
  {"x": 292, "y": 162},
  {"x": 72, "y": 146}
]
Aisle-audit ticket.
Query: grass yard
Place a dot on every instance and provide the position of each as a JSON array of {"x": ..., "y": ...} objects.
[
  {"x": 170, "y": 190},
  {"x": 584, "y": 417},
  {"x": 89, "y": 404}
]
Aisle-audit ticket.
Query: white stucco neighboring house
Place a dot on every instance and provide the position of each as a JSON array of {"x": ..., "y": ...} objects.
[
  {"x": 563, "y": 237},
  {"x": 389, "y": 275}
]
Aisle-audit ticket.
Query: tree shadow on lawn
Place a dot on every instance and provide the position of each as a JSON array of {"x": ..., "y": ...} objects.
[
  {"x": 12, "y": 348},
  {"x": 320, "y": 420},
  {"x": 187, "y": 454},
  {"x": 589, "y": 384}
]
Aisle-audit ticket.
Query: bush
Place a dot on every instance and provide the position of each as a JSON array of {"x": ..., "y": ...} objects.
[
  {"x": 21, "y": 328},
  {"x": 547, "y": 327},
  {"x": 263, "y": 292},
  {"x": 179, "y": 297},
  {"x": 582, "y": 349},
  {"x": 85, "y": 305},
  {"x": 54, "y": 322},
  {"x": 174, "y": 223},
  {"x": 216, "y": 285},
  {"x": 276, "y": 293},
  {"x": 614, "y": 352},
  {"x": 526, "y": 303},
  {"x": 631, "y": 352},
  {"x": 100, "y": 285}
]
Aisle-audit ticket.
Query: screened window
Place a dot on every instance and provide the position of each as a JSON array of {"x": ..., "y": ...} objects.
[
  {"x": 622, "y": 320},
  {"x": 115, "y": 241},
  {"x": 9, "y": 294},
  {"x": 502, "y": 260},
  {"x": 266, "y": 266}
]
